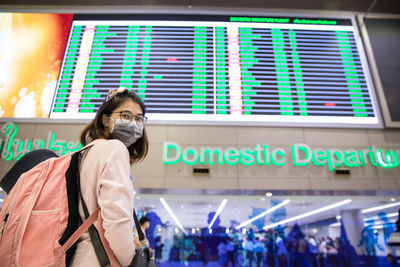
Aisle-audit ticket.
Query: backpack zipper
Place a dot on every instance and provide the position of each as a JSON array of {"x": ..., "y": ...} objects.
[{"x": 3, "y": 225}]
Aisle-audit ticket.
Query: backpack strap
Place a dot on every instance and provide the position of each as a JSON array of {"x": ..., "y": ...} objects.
[
  {"x": 110, "y": 253},
  {"x": 107, "y": 252},
  {"x": 101, "y": 253},
  {"x": 138, "y": 227},
  {"x": 81, "y": 229}
]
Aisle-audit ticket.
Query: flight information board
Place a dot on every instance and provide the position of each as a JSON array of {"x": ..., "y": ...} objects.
[{"x": 231, "y": 70}]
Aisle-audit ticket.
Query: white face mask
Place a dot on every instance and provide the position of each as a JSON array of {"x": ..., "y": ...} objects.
[{"x": 128, "y": 132}]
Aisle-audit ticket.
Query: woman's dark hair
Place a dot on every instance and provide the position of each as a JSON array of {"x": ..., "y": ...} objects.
[
  {"x": 143, "y": 220},
  {"x": 96, "y": 129}
]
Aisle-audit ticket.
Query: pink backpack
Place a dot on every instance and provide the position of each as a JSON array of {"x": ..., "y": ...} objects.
[{"x": 39, "y": 220}]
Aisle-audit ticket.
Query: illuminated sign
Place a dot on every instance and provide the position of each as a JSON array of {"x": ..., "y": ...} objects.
[
  {"x": 300, "y": 155},
  {"x": 13, "y": 148},
  {"x": 220, "y": 70},
  {"x": 284, "y": 20}
]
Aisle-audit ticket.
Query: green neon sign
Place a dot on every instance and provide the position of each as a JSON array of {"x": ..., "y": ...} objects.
[
  {"x": 13, "y": 148},
  {"x": 260, "y": 155},
  {"x": 301, "y": 155},
  {"x": 284, "y": 20},
  {"x": 256, "y": 19},
  {"x": 315, "y": 21}
]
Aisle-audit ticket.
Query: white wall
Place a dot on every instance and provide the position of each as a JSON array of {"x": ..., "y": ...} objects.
[{"x": 151, "y": 173}]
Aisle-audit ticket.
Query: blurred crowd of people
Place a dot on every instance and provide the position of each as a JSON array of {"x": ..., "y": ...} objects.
[{"x": 271, "y": 249}]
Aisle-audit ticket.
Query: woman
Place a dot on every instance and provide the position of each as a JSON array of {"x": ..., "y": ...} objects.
[{"x": 105, "y": 173}]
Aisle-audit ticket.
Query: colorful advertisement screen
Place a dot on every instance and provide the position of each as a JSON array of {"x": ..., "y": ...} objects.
[{"x": 31, "y": 51}]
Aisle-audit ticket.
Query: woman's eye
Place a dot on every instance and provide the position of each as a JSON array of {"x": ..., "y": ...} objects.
[{"x": 125, "y": 116}]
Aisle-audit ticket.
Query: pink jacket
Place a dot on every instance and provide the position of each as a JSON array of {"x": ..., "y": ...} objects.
[{"x": 105, "y": 181}]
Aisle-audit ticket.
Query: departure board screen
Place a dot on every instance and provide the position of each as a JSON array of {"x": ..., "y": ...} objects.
[{"x": 220, "y": 70}]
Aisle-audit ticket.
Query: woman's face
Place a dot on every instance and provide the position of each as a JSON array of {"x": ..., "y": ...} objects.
[{"x": 126, "y": 107}]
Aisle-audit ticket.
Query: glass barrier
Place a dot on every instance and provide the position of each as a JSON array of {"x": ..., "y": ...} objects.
[{"x": 269, "y": 230}]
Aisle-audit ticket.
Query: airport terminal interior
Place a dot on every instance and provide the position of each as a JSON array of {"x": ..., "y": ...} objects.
[{"x": 273, "y": 126}]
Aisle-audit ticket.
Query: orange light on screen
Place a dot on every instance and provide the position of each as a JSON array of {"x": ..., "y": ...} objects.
[{"x": 31, "y": 51}]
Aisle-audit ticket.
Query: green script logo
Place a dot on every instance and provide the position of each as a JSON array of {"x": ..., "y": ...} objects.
[
  {"x": 14, "y": 148},
  {"x": 262, "y": 154}
]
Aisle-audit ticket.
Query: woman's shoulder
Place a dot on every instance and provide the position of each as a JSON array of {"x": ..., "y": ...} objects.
[
  {"x": 109, "y": 145},
  {"x": 108, "y": 149}
]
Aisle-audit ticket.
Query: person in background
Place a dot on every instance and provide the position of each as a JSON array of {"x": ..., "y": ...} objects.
[
  {"x": 322, "y": 252},
  {"x": 259, "y": 250},
  {"x": 343, "y": 253},
  {"x": 105, "y": 174},
  {"x": 281, "y": 251},
  {"x": 302, "y": 251},
  {"x": 313, "y": 251},
  {"x": 144, "y": 224},
  {"x": 271, "y": 248},
  {"x": 394, "y": 245},
  {"x": 248, "y": 247},
  {"x": 230, "y": 253},
  {"x": 332, "y": 252},
  {"x": 240, "y": 253},
  {"x": 174, "y": 254},
  {"x": 222, "y": 253},
  {"x": 158, "y": 250},
  {"x": 202, "y": 248}
]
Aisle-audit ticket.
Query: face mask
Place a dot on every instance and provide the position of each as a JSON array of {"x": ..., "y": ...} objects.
[{"x": 128, "y": 132}]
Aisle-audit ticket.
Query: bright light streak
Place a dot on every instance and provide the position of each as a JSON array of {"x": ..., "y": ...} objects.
[
  {"x": 379, "y": 218},
  {"x": 390, "y": 215},
  {"x": 301, "y": 216},
  {"x": 283, "y": 203},
  {"x": 381, "y": 207},
  {"x": 382, "y": 225},
  {"x": 374, "y": 225},
  {"x": 219, "y": 210},
  {"x": 164, "y": 203}
]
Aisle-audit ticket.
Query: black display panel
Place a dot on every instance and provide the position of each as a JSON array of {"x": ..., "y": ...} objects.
[
  {"x": 220, "y": 70},
  {"x": 384, "y": 36}
]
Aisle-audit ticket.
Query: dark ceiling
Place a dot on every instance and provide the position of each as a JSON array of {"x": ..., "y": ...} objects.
[{"x": 359, "y": 6}]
